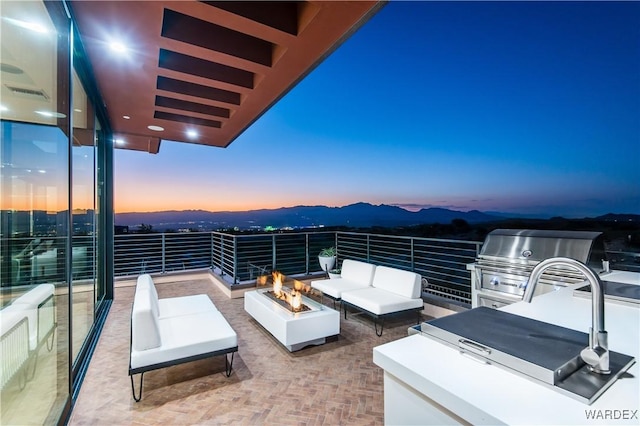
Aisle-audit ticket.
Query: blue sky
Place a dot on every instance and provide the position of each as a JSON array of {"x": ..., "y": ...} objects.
[{"x": 521, "y": 107}]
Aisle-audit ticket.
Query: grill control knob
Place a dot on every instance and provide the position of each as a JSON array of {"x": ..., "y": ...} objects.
[{"x": 495, "y": 281}]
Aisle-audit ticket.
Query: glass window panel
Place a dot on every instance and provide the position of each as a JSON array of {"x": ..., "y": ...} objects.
[
  {"x": 83, "y": 200},
  {"x": 34, "y": 230}
]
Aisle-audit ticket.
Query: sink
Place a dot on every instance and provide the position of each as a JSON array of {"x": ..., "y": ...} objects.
[
  {"x": 546, "y": 353},
  {"x": 620, "y": 292},
  {"x": 627, "y": 277}
]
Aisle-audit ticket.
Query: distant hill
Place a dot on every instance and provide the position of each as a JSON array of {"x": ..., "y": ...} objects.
[
  {"x": 354, "y": 215},
  {"x": 614, "y": 217}
]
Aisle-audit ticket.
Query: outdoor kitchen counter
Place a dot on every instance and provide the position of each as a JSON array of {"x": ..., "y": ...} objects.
[{"x": 426, "y": 382}]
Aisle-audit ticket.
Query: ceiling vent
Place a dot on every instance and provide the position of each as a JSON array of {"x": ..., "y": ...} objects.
[{"x": 28, "y": 93}]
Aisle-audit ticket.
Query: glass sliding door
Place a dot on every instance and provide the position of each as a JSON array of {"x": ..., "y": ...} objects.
[
  {"x": 34, "y": 227},
  {"x": 101, "y": 147},
  {"x": 83, "y": 200}
]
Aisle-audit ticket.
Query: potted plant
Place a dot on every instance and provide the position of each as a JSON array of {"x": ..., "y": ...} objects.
[
  {"x": 335, "y": 273},
  {"x": 327, "y": 258}
]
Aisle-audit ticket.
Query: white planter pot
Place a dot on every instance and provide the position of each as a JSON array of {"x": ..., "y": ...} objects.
[
  {"x": 333, "y": 275},
  {"x": 327, "y": 262}
]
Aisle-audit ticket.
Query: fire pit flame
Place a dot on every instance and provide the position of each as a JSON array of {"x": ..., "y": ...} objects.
[
  {"x": 296, "y": 300},
  {"x": 278, "y": 277},
  {"x": 286, "y": 297}
]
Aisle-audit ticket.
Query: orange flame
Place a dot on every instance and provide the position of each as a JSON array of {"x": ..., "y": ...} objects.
[
  {"x": 296, "y": 300},
  {"x": 277, "y": 283}
]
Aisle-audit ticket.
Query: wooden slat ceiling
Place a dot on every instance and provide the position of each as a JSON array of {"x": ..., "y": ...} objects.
[{"x": 213, "y": 67}]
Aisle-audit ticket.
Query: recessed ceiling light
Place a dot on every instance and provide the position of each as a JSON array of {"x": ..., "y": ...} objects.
[
  {"x": 51, "y": 114},
  {"x": 192, "y": 133},
  {"x": 119, "y": 141},
  {"x": 126, "y": 117},
  {"x": 118, "y": 47},
  {"x": 3, "y": 108},
  {"x": 155, "y": 128},
  {"x": 77, "y": 110},
  {"x": 42, "y": 171}
]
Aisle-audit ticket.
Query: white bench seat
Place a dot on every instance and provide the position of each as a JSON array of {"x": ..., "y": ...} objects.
[
  {"x": 380, "y": 302},
  {"x": 14, "y": 344},
  {"x": 175, "y": 330},
  {"x": 38, "y": 305},
  {"x": 185, "y": 305},
  {"x": 392, "y": 291},
  {"x": 25, "y": 325},
  {"x": 187, "y": 336}
]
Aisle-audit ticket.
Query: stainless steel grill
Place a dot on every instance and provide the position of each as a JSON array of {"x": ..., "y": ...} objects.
[{"x": 501, "y": 271}]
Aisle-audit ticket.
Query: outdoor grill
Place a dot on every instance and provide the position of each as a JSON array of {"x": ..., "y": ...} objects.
[{"x": 499, "y": 275}]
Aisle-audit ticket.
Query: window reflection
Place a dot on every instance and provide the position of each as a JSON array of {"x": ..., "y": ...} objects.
[
  {"x": 34, "y": 214},
  {"x": 83, "y": 199}
]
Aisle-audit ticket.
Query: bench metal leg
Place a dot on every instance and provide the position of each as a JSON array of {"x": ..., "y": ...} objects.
[
  {"x": 375, "y": 323},
  {"x": 53, "y": 336},
  {"x": 228, "y": 366},
  {"x": 33, "y": 360},
  {"x": 133, "y": 390}
]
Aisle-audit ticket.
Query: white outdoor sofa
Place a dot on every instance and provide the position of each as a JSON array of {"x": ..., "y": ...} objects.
[
  {"x": 354, "y": 275},
  {"x": 25, "y": 325},
  {"x": 170, "y": 331},
  {"x": 379, "y": 291},
  {"x": 392, "y": 291}
]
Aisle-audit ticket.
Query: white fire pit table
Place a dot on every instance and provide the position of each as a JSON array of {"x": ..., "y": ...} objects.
[{"x": 294, "y": 330}]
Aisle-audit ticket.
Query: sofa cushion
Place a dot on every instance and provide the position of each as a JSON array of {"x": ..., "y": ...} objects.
[
  {"x": 398, "y": 281},
  {"x": 36, "y": 295},
  {"x": 145, "y": 330},
  {"x": 379, "y": 301},
  {"x": 184, "y": 305},
  {"x": 357, "y": 272},
  {"x": 335, "y": 287},
  {"x": 146, "y": 282},
  {"x": 186, "y": 336},
  {"x": 173, "y": 306}
]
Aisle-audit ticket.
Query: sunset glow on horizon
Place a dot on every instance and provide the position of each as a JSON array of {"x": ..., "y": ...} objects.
[{"x": 515, "y": 107}]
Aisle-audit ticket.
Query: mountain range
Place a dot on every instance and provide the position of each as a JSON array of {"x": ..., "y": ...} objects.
[
  {"x": 358, "y": 215},
  {"x": 353, "y": 215}
]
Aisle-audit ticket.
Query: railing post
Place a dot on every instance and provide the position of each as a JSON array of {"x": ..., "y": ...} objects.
[
  {"x": 222, "y": 260},
  {"x": 413, "y": 257},
  {"x": 368, "y": 249},
  {"x": 164, "y": 271},
  {"x": 273, "y": 252},
  {"x": 211, "y": 248},
  {"x": 306, "y": 253},
  {"x": 235, "y": 259}
]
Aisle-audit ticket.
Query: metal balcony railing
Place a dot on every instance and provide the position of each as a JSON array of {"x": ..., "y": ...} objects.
[
  {"x": 34, "y": 260},
  {"x": 239, "y": 259}
]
